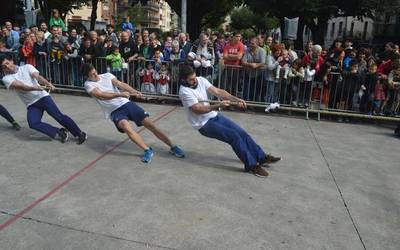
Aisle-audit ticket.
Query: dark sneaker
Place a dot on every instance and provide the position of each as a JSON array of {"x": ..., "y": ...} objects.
[
  {"x": 82, "y": 138},
  {"x": 177, "y": 151},
  {"x": 148, "y": 155},
  {"x": 259, "y": 172},
  {"x": 63, "y": 135},
  {"x": 16, "y": 126},
  {"x": 270, "y": 159}
]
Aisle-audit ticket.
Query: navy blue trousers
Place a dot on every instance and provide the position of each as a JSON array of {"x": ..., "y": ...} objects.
[
  {"x": 35, "y": 114},
  {"x": 223, "y": 129},
  {"x": 4, "y": 113}
]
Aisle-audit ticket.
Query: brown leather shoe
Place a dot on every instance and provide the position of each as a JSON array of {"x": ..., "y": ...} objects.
[
  {"x": 272, "y": 159},
  {"x": 259, "y": 172}
]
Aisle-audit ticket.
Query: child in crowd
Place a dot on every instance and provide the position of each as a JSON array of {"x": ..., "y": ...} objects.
[
  {"x": 147, "y": 77},
  {"x": 116, "y": 61},
  {"x": 283, "y": 64},
  {"x": 296, "y": 72},
  {"x": 27, "y": 50},
  {"x": 394, "y": 83},
  {"x": 163, "y": 79},
  {"x": 56, "y": 50},
  {"x": 369, "y": 83},
  {"x": 380, "y": 99},
  {"x": 309, "y": 74}
]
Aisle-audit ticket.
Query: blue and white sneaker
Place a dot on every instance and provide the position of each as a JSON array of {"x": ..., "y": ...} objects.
[
  {"x": 148, "y": 155},
  {"x": 177, "y": 151}
]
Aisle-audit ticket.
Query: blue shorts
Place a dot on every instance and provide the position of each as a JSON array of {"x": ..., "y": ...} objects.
[{"x": 129, "y": 111}]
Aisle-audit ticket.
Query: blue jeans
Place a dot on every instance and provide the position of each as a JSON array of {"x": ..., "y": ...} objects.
[
  {"x": 35, "y": 114},
  {"x": 225, "y": 130},
  {"x": 4, "y": 113},
  {"x": 272, "y": 92}
]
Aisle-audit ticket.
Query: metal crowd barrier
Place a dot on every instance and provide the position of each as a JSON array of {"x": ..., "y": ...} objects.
[{"x": 340, "y": 95}]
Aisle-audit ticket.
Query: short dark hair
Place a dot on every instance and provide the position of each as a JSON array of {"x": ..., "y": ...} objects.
[
  {"x": 4, "y": 56},
  {"x": 86, "y": 68},
  {"x": 186, "y": 71},
  {"x": 110, "y": 26}
]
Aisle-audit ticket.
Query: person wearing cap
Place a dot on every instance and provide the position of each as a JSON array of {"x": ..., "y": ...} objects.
[
  {"x": 30, "y": 86},
  {"x": 204, "y": 117},
  {"x": 113, "y": 97}
]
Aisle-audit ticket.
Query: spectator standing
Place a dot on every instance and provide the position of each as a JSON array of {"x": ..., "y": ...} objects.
[
  {"x": 185, "y": 45},
  {"x": 56, "y": 20},
  {"x": 254, "y": 61},
  {"x": 27, "y": 49},
  {"x": 44, "y": 29}
]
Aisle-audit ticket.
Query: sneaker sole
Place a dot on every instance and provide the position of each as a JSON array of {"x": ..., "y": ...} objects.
[
  {"x": 176, "y": 155},
  {"x": 258, "y": 175},
  {"x": 79, "y": 143},
  {"x": 147, "y": 162},
  {"x": 66, "y": 139}
]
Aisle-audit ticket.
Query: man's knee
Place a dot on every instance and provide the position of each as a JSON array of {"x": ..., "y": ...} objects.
[
  {"x": 124, "y": 125},
  {"x": 33, "y": 124}
]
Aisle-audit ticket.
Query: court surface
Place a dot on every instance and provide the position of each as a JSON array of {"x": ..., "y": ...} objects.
[{"x": 336, "y": 188}]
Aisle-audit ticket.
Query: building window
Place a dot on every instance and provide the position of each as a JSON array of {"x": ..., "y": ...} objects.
[
  {"x": 365, "y": 31},
  {"x": 340, "y": 31},
  {"x": 333, "y": 30}
]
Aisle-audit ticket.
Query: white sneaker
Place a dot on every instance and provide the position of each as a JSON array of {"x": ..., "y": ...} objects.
[
  {"x": 274, "y": 106},
  {"x": 268, "y": 108}
]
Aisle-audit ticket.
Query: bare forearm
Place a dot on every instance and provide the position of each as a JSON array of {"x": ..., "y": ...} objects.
[
  {"x": 43, "y": 81},
  {"x": 224, "y": 95},
  {"x": 20, "y": 87},
  {"x": 203, "y": 109}
]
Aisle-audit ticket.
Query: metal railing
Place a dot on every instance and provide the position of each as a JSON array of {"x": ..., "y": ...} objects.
[{"x": 340, "y": 94}]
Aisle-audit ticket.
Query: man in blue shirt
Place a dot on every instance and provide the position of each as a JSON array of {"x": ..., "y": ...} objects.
[{"x": 11, "y": 37}]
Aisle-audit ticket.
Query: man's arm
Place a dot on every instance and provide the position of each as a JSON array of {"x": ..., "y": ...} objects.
[
  {"x": 126, "y": 87},
  {"x": 19, "y": 86},
  {"x": 224, "y": 95},
  {"x": 42, "y": 81},
  {"x": 200, "y": 109},
  {"x": 97, "y": 93}
]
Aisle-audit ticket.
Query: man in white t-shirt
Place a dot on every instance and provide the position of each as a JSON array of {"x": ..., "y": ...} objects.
[
  {"x": 205, "y": 118},
  {"x": 105, "y": 88},
  {"x": 30, "y": 86}
]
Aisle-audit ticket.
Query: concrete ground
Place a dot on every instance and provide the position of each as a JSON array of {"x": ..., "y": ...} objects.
[{"x": 337, "y": 188}]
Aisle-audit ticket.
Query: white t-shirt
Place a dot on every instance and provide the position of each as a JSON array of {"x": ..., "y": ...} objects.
[
  {"x": 105, "y": 85},
  {"x": 190, "y": 97},
  {"x": 24, "y": 75}
]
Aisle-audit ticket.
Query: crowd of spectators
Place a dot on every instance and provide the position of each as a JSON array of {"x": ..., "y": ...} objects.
[{"x": 343, "y": 76}]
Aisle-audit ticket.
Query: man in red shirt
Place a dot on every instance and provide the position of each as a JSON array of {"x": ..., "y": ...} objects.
[
  {"x": 234, "y": 50},
  {"x": 233, "y": 53}
]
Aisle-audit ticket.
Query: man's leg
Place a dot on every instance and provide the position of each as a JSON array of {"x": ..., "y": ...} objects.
[
  {"x": 148, "y": 123},
  {"x": 126, "y": 127},
  {"x": 52, "y": 109},
  {"x": 35, "y": 114},
  {"x": 215, "y": 128},
  {"x": 4, "y": 113},
  {"x": 253, "y": 147}
]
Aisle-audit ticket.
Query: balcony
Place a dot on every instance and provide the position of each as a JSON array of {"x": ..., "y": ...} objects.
[
  {"x": 152, "y": 6},
  {"x": 151, "y": 19}
]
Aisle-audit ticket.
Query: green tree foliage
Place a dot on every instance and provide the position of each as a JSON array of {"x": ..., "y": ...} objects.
[
  {"x": 244, "y": 18},
  {"x": 204, "y": 13},
  {"x": 316, "y": 13}
]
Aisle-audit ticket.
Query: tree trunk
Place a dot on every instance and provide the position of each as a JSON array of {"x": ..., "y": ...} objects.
[
  {"x": 93, "y": 16},
  {"x": 319, "y": 31},
  {"x": 299, "y": 43},
  {"x": 282, "y": 26}
]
